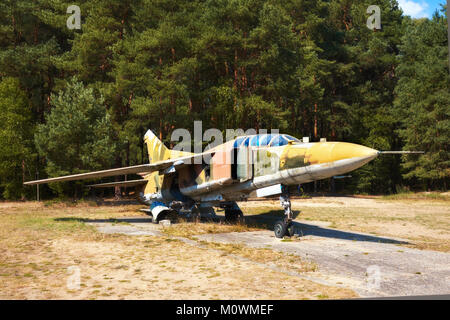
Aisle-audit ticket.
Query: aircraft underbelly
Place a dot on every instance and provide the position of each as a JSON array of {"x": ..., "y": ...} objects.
[
  {"x": 297, "y": 175},
  {"x": 311, "y": 172}
]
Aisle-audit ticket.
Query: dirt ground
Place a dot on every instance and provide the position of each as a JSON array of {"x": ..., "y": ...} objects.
[
  {"x": 44, "y": 248},
  {"x": 424, "y": 222}
]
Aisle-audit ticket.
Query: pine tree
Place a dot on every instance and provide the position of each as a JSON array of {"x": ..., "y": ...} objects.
[
  {"x": 16, "y": 132},
  {"x": 423, "y": 99},
  {"x": 77, "y": 135},
  {"x": 359, "y": 92},
  {"x": 305, "y": 67}
]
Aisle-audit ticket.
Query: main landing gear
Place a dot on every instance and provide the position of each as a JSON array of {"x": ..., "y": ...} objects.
[
  {"x": 285, "y": 227},
  {"x": 233, "y": 214}
]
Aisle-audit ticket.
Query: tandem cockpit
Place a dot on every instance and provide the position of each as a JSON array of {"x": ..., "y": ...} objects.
[{"x": 264, "y": 140}]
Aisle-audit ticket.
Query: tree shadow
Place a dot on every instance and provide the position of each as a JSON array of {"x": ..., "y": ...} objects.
[{"x": 115, "y": 203}]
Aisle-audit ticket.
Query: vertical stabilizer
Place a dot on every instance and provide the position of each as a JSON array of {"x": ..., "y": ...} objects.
[{"x": 157, "y": 151}]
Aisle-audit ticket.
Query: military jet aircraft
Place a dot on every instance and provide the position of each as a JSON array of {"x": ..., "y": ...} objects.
[{"x": 265, "y": 164}]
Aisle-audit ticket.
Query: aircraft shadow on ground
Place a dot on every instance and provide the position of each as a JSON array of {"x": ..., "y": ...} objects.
[
  {"x": 265, "y": 221},
  {"x": 110, "y": 220},
  {"x": 269, "y": 218}
]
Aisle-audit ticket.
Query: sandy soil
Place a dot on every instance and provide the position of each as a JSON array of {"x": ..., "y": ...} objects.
[
  {"x": 43, "y": 247},
  {"x": 425, "y": 222}
]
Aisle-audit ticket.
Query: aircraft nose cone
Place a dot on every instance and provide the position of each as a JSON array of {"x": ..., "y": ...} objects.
[
  {"x": 343, "y": 150},
  {"x": 325, "y": 152}
]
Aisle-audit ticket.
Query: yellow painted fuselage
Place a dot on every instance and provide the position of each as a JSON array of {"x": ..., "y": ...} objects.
[{"x": 245, "y": 164}]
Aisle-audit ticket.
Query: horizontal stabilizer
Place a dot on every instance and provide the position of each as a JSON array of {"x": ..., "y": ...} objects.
[
  {"x": 96, "y": 174},
  {"x": 130, "y": 183}
]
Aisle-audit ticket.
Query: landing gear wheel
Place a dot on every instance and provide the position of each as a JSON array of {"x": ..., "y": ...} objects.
[
  {"x": 166, "y": 215},
  {"x": 233, "y": 215},
  {"x": 285, "y": 227},
  {"x": 280, "y": 229}
]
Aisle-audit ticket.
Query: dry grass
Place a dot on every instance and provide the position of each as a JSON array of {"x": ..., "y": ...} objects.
[
  {"x": 266, "y": 256},
  {"x": 39, "y": 243},
  {"x": 442, "y": 196},
  {"x": 425, "y": 223},
  {"x": 190, "y": 229}
]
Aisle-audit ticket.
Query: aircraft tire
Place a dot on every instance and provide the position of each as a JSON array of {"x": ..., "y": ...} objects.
[
  {"x": 280, "y": 229},
  {"x": 166, "y": 215}
]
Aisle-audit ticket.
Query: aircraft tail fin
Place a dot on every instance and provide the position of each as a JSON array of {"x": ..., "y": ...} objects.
[{"x": 157, "y": 151}]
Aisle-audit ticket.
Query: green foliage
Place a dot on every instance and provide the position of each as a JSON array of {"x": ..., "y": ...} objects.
[
  {"x": 423, "y": 101},
  {"x": 77, "y": 135},
  {"x": 305, "y": 67},
  {"x": 16, "y": 131}
]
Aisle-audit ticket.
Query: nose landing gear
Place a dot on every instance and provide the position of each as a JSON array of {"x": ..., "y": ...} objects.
[{"x": 285, "y": 227}]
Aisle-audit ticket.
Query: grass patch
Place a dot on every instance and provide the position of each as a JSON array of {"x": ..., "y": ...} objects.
[
  {"x": 418, "y": 196},
  {"x": 424, "y": 223},
  {"x": 265, "y": 255},
  {"x": 68, "y": 202},
  {"x": 39, "y": 243},
  {"x": 49, "y": 224},
  {"x": 189, "y": 229}
]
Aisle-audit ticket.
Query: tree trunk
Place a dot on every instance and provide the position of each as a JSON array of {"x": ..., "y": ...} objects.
[
  {"x": 315, "y": 121},
  {"x": 448, "y": 32}
]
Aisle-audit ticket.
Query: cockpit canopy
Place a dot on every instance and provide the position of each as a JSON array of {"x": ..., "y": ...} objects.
[{"x": 264, "y": 140}]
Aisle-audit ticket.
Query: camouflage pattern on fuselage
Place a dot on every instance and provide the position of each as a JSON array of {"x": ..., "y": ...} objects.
[{"x": 245, "y": 164}]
